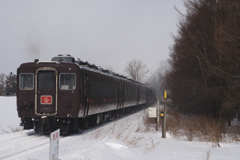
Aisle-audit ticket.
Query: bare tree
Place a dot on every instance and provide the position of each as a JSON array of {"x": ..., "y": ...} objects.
[
  {"x": 136, "y": 70},
  {"x": 158, "y": 80}
]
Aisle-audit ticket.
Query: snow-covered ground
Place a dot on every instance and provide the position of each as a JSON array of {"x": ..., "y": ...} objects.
[
  {"x": 125, "y": 139},
  {"x": 9, "y": 120}
]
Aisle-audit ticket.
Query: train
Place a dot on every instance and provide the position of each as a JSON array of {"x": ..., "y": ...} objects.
[{"x": 72, "y": 94}]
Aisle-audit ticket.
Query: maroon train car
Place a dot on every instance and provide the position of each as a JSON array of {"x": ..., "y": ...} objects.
[{"x": 71, "y": 94}]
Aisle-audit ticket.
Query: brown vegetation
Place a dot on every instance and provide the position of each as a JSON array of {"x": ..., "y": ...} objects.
[
  {"x": 196, "y": 127},
  {"x": 205, "y": 61}
]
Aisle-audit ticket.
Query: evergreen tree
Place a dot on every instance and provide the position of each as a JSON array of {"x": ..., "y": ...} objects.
[
  {"x": 11, "y": 84},
  {"x": 2, "y": 83}
]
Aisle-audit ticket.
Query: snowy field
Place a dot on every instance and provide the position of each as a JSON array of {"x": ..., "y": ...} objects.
[
  {"x": 8, "y": 119},
  {"x": 125, "y": 139}
]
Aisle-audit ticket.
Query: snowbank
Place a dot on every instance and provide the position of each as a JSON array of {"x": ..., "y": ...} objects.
[{"x": 9, "y": 121}]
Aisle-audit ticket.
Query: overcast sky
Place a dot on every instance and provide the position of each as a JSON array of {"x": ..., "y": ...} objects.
[{"x": 108, "y": 33}]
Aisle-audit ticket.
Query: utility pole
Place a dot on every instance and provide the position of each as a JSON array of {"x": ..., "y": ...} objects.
[{"x": 164, "y": 114}]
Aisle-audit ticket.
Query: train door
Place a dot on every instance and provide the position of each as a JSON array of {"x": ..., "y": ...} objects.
[
  {"x": 85, "y": 93},
  {"x": 118, "y": 86},
  {"x": 138, "y": 94},
  {"x": 119, "y": 94},
  {"x": 46, "y": 82},
  {"x": 122, "y": 93}
]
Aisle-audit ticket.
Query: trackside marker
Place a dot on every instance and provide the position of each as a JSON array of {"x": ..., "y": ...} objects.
[{"x": 54, "y": 145}]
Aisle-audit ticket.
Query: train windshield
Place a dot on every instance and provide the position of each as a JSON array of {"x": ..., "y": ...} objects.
[
  {"x": 26, "y": 81},
  {"x": 67, "y": 81},
  {"x": 46, "y": 80}
]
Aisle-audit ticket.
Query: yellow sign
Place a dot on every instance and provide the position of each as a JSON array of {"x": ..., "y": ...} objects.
[
  {"x": 161, "y": 114},
  {"x": 165, "y": 94}
]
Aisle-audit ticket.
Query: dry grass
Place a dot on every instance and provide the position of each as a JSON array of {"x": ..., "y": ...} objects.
[
  {"x": 234, "y": 133},
  {"x": 200, "y": 127}
]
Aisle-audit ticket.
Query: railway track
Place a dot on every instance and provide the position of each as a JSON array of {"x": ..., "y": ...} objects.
[
  {"x": 15, "y": 144},
  {"x": 25, "y": 145},
  {"x": 16, "y": 135}
]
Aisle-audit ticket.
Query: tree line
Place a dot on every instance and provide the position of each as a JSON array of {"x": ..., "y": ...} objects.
[
  {"x": 205, "y": 59},
  {"x": 8, "y": 84}
]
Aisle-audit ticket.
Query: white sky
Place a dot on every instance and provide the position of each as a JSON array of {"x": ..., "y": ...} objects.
[{"x": 108, "y": 33}]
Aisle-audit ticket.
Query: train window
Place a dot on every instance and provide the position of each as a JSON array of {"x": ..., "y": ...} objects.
[
  {"x": 67, "y": 81},
  {"x": 26, "y": 81},
  {"x": 46, "y": 80}
]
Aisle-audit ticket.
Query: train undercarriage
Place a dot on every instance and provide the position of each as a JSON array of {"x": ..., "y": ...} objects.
[{"x": 45, "y": 124}]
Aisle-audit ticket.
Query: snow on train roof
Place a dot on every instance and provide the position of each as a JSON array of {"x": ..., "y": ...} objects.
[
  {"x": 108, "y": 73},
  {"x": 91, "y": 67}
]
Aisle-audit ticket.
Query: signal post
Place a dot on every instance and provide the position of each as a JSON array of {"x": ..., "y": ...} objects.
[{"x": 163, "y": 114}]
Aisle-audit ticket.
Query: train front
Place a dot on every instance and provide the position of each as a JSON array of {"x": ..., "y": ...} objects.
[{"x": 47, "y": 94}]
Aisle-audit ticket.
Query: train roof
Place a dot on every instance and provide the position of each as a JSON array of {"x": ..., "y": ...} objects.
[{"x": 91, "y": 67}]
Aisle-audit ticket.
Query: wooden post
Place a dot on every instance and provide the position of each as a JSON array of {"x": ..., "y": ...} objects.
[{"x": 158, "y": 118}]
